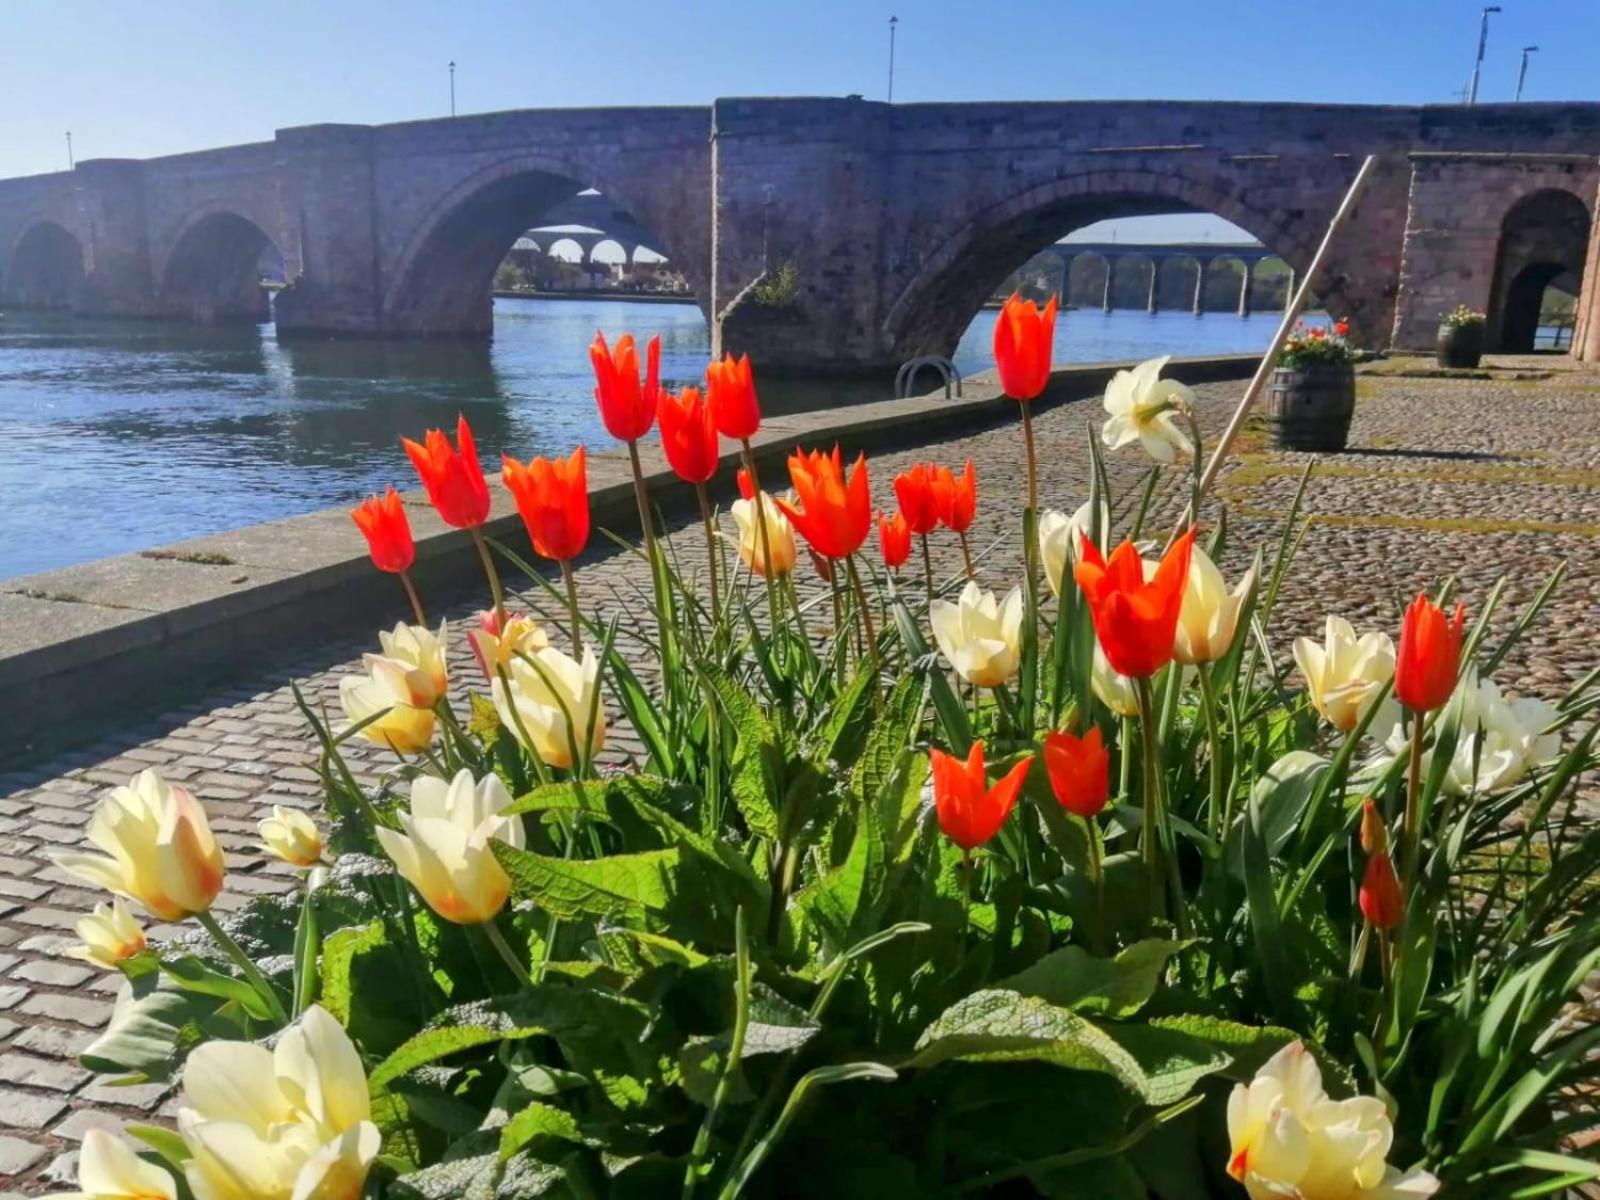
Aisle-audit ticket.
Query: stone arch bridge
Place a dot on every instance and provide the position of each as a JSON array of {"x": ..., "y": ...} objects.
[{"x": 897, "y": 221}]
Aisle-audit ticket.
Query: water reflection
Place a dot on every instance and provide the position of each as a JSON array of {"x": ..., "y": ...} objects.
[{"x": 126, "y": 434}]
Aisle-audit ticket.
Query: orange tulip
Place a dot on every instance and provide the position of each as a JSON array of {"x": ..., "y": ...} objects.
[
  {"x": 747, "y": 486},
  {"x": 1135, "y": 621},
  {"x": 1374, "y": 837},
  {"x": 834, "y": 516},
  {"x": 918, "y": 497},
  {"x": 382, "y": 519},
  {"x": 1079, "y": 770},
  {"x": 553, "y": 498},
  {"x": 732, "y": 391},
  {"x": 1380, "y": 898},
  {"x": 1429, "y": 659},
  {"x": 452, "y": 475},
  {"x": 688, "y": 435},
  {"x": 1023, "y": 338},
  {"x": 957, "y": 497},
  {"x": 970, "y": 811},
  {"x": 894, "y": 535},
  {"x": 627, "y": 408}
]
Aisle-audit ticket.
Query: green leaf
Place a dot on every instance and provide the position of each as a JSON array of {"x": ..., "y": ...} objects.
[
  {"x": 1247, "y": 1046},
  {"x": 619, "y": 885},
  {"x": 1282, "y": 796},
  {"x": 339, "y": 952},
  {"x": 194, "y": 975},
  {"x": 1113, "y": 987},
  {"x": 833, "y": 903},
  {"x": 563, "y": 797},
  {"x": 757, "y": 765},
  {"x": 535, "y": 1121},
  {"x": 165, "y": 1142},
  {"x": 145, "y": 1029}
]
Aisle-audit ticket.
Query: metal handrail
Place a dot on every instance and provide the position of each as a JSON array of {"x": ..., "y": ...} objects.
[{"x": 907, "y": 374}]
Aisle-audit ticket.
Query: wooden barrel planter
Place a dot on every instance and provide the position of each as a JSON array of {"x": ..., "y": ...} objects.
[
  {"x": 1460, "y": 345},
  {"x": 1309, "y": 407}
]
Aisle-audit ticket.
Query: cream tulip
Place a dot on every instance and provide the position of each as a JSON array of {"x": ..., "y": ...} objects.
[
  {"x": 1345, "y": 672},
  {"x": 417, "y": 654},
  {"x": 1059, "y": 537},
  {"x": 1142, "y": 407},
  {"x": 1116, "y": 692},
  {"x": 494, "y": 647},
  {"x": 108, "y": 1169},
  {"x": 402, "y": 726},
  {"x": 292, "y": 836},
  {"x": 444, "y": 850},
  {"x": 290, "y": 1123},
  {"x": 548, "y": 700},
  {"x": 110, "y": 935},
  {"x": 978, "y": 636},
  {"x": 1291, "y": 1141},
  {"x": 1209, "y": 618},
  {"x": 161, "y": 850},
  {"x": 780, "y": 536}
]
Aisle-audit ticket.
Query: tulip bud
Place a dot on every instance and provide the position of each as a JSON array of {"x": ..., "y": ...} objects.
[
  {"x": 110, "y": 935},
  {"x": 1429, "y": 660},
  {"x": 1374, "y": 837},
  {"x": 1380, "y": 898},
  {"x": 292, "y": 836},
  {"x": 1079, "y": 770}
]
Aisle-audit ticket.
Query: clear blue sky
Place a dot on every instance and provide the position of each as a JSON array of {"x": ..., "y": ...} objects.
[{"x": 145, "y": 78}]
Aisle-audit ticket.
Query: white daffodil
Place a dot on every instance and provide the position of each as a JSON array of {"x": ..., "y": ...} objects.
[
  {"x": 1142, "y": 407},
  {"x": 161, "y": 849},
  {"x": 550, "y": 702},
  {"x": 110, "y": 935},
  {"x": 444, "y": 848},
  {"x": 1059, "y": 541},
  {"x": 1291, "y": 1141},
  {"x": 417, "y": 655},
  {"x": 978, "y": 636},
  {"x": 290, "y": 1123},
  {"x": 1209, "y": 618},
  {"x": 1345, "y": 673}
]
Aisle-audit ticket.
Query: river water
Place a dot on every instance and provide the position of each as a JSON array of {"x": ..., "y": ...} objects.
[{"x": 122, "y": 435}]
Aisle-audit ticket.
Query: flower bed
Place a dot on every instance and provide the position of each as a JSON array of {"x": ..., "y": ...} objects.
[{"x": 1069, "y": 889}]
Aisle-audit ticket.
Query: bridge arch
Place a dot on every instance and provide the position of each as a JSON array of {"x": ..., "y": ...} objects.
[
  {"x": 216, "y": 268},
  {"x": 1544, "y": 240},
  {"x": 933, "y": 309},
  {"x": 45, "y": 269},
  {"x": 439, "y": 281}
]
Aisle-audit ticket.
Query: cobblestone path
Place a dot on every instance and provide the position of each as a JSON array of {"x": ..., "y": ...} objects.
[{"x": 1478, "y": 478}]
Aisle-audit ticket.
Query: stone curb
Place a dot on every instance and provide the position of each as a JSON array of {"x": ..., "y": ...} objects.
[{"x": 87, "y": 646}]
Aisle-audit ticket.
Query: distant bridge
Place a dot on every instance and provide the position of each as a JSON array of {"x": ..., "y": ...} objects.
[
  {"x": 898, "y": 220},
  {"x": 1120, "y": 258}
]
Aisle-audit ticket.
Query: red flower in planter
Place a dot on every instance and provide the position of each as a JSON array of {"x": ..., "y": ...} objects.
[
  {"x": 688, "y": 435},
  {"x": 732, "y": 389},
  {"x": 894, "y": 536},
  {"x": 834, "y": 515},
  {"x": 957, "y": 497},
  {"x": 919, "y": 499},
  {"x": 1079, "y": 770}
]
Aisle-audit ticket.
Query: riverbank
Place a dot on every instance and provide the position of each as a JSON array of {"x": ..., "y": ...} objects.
[
  {"x": 87, "y": 644},
  {"x": 598, "y": 294}
]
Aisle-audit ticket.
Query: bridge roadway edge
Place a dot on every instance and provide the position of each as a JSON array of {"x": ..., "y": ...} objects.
[{"x": 104, "y": 643}]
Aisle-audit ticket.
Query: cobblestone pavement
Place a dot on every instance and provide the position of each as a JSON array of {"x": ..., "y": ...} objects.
[{"x": 1476, "y": 477}]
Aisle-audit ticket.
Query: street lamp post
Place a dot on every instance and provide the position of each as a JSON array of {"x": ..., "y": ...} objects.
[
  {"x": 1522, "y": 73},
  {"x": 71, "y": 164},
  {"x": 452, "y": 87},
  {"x": 893, "y": 21},
  {"x": 1483, "y": 42}
]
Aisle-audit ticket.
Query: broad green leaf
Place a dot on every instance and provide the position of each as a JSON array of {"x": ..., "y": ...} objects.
[
  {"x": 1248, "y": 1046},
  {"x": 1282, "y": 796},
  {"x": 563, "y": 797},
  {"x": 534, "y": 1121},
  {"x": 146, "y": 1026},
  {"x": 757, "y": 765},
  {"x": 195, "y": 975},
  {"x": 618, "y": 885},
  {"x": 1112, "y": 987}
]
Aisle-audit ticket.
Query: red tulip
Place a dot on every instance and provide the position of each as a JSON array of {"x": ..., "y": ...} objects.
[
  {"x": 834, "y": 516},
  {"x": 894, "y": 535},
  {"x": 919, "y": 500},
  {"x": 822, "y": 565},
  {"x": 957, "y": 497},
  {"x": 452, "y": 476},
  {"x": 1079, "y": 770},
  {"x": 732, "y": 390},
  {"x": 747, "y": 486},
  {"x": 1380, "y": 898},
  {"x": 627, "y": 408},
  {"x": 688, "y": 435},
  {"x": 553, "y": 498},
  {"x": 1135, "y": 621},
  {"x": 970, "y": 811},
  {"x": 1429, "y": 659},
  {"x": 383, "y": 520},
  {"x": 1023, "y": 338},
  {"x": 1341, "y": 327}
]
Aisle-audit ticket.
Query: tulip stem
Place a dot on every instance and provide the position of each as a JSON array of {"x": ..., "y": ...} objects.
[
  {"x": 651, "y": 551},
  {"x": 571, "y": 581},
  {"x": 1097, "y": 876},
  {"x": 866, "y": 608},
  {"x": 760, "y": 502},
  {"x": 1033, "y": 472},
  {"x": 1412, "y": 834},
  {"x": 711, "y": 551},
  {"x": 503, "y": 948},
  {"x": 927, "y": 567},
  {"x": 966, "y": 554},
  {"x": 494, "y": 575},
  {"x": 1156, "y": 843},
  {"x": 416, "y": 600},
  {"x": 251, "y": 973},
  {"x": 840, "y": 639},
  {"x": 1208, "y": 701}
]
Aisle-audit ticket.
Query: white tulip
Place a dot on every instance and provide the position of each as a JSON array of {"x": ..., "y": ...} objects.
[
  {"x": 1291, "y": 1141},
  {"x": 108, "y": 1169},
  {"x": 290, "y": 1123},
  {"x": 1500, "y": 739},
  {"x": 1345, "y": 672},
  {"x": 418, "y": 654},
  {"x": 110, "y": 935},
  {"x": 549, "y": 704},
  {"x": 403, "y": 727},
  {"x": 979, "y": 637},
  {"x": 780, "y": 536},
  {"x": 1116, "y": 692},
  {"x": 1209, "y": 618},
  {"x": 444, "y": 850},
  {"x": 292, "y": 836},
  {"x": 1059, "y": 541},
  {"x": 1145, "y": 408}
]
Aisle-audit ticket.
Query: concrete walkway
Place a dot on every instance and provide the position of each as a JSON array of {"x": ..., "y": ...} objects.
[{"x": 1476, "y": 477}]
